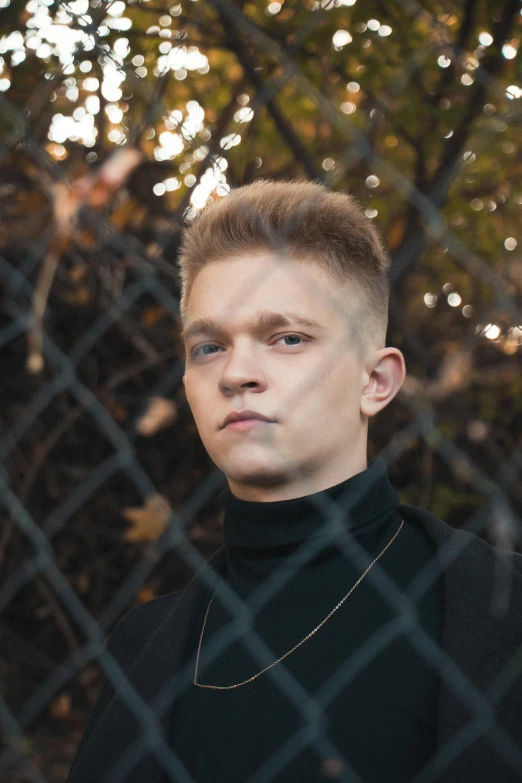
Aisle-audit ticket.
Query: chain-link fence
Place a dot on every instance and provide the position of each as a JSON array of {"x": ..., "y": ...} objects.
[{"x": 121, "y": 120}]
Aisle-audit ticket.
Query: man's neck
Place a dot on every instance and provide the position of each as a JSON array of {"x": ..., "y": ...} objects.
[{"x": 288, "y": 489}]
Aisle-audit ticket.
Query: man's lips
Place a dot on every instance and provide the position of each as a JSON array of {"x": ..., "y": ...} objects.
[
  {"x": 243, "y": 425},
  {"x": 245, "y": 415}
]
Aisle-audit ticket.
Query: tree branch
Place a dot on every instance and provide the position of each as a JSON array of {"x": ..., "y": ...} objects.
[
  {"x": 263, "y": 95},
  {"x": 437, "y": 189},
  {"x": 441, "y": 180}
]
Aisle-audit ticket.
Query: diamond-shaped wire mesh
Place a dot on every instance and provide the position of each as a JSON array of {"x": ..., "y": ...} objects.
[{"x": 119, "y": 122}]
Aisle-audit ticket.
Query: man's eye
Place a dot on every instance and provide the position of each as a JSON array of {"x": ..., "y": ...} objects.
[
  {"x": 291, "y": 337},
  {"x": 197, "y": 351}
]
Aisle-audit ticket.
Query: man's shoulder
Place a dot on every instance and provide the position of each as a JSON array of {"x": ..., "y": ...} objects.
[
  {"x": 138, "y": 626},
  {"x": 454, "y": 542},
  {"x": 482, "y": 582},
  {"x": 132, "y": 632}
]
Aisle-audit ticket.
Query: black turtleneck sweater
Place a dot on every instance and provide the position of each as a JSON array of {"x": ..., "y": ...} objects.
[{"x": 380, "y": 720}]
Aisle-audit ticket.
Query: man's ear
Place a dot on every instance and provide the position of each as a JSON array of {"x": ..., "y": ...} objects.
[{"x": 384, "y": 381}]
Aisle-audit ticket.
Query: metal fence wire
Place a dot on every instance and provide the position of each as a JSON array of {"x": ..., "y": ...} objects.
[{"x": 120, "y": 121}]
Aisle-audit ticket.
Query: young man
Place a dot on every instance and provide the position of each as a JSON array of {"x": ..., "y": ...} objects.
[{"x": 338, "y": 634}]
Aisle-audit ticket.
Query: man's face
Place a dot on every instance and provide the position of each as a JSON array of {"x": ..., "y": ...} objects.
[{"x": 306, "y": 378}]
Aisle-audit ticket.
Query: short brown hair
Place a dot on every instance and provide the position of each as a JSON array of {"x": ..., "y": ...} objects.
[{"x": 305, "y": 220}]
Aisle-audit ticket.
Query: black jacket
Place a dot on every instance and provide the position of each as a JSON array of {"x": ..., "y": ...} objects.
[{"x": 479, "y": 735}]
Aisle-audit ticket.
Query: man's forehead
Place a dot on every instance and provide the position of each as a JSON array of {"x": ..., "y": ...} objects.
[
  {"x": 306, "y": 296},
  {"x": 250, "y": 279}
]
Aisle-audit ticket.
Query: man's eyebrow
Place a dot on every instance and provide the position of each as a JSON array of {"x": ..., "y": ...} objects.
[{"x": 264, "y": 320}]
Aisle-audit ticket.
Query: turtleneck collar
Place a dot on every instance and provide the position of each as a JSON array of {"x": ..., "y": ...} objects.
[{"x": 259, "y": 525}]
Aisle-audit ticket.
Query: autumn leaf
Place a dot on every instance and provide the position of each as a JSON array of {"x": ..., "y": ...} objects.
[
  {"x": 148, "y": 522},
  {"x": 60, "y": 708},
  {"x": 78, "y": 297},
  {"x": 117, "y": 409},
  {"x": 151, "y": 315},
  {"x": 146, "y": 593},
  {"x": 160, "y": 413}
]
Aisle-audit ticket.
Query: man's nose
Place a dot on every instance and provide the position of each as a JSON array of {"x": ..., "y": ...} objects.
[{"x": 243, "y": 368}]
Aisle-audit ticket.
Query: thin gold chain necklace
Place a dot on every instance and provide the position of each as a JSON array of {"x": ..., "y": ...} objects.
[{"x": 229, "y": 687}]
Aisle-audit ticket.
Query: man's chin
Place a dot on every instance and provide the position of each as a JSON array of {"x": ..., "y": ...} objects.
[{"x": 255, "y": 475}]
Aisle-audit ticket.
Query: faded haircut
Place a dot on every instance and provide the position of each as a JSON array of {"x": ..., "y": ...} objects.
[{"x": 296, "y": 220}]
